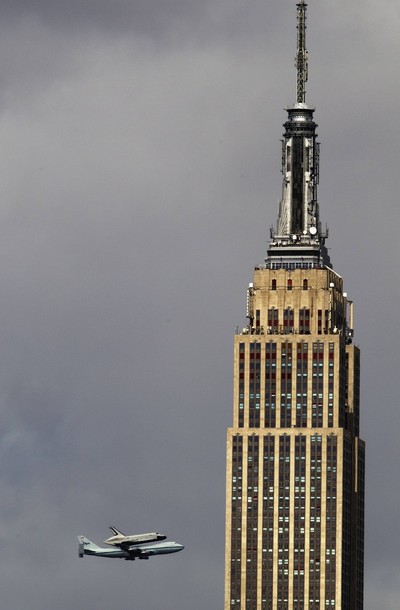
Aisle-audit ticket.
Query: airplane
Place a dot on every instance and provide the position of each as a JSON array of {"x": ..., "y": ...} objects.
[
  {"x": 119, "y": 539},
  {"x": 87, "y": 547}
]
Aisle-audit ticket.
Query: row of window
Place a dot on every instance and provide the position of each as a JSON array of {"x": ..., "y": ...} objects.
[{"x": 289, "y": 285}]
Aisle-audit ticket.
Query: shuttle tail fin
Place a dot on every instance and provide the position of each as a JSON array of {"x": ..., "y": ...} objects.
[{"x": 115, "y": 531}]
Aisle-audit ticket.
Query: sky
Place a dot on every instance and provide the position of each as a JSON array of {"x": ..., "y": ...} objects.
[{"x": 139, "y": 176}]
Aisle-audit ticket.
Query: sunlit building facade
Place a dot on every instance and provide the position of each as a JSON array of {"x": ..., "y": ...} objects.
[{"x": 295, "y": 462}]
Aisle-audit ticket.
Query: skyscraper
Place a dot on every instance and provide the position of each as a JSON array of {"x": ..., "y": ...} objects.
[{"x": 295, "y": 462}]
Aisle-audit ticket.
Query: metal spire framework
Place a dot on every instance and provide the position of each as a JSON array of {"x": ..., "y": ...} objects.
[
  {"x": 302, "y": 54},
  {"x": 298, "y": 239}
]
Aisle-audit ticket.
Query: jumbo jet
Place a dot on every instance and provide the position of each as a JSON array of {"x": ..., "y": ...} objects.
[
  {"x": 87, "y": 547},
  {"x": 119, "y": 539}
]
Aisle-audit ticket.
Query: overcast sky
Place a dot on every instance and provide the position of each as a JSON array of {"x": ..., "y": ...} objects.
[{"x": 139, "y": 176}]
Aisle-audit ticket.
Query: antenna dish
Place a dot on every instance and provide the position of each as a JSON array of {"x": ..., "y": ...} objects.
[{"x": 313, "y": 230}]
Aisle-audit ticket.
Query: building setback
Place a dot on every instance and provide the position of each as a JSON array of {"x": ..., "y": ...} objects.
[{"x": 295, "y": 462}]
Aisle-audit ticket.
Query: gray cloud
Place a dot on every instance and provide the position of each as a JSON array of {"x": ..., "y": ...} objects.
[
  {"x": 139, "y": 177},
  {"x": 159, "y": 20},
  {"x": 116, "y": 15}
]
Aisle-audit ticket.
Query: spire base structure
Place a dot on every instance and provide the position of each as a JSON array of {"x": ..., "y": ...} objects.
[
  {"x": 297, "y": 254},
  {"x": 298, "y": 240}
]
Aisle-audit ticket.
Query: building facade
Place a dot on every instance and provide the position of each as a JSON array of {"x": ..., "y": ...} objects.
[{"x": 295, "y": 462}]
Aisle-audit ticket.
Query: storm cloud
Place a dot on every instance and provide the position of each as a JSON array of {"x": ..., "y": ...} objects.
[{"x": 139, "y": 176}]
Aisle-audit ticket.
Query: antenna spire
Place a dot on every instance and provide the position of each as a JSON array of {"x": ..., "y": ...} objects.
[
  {"x": 301, "y": 60},
  {"x": 299, "y": 241}
]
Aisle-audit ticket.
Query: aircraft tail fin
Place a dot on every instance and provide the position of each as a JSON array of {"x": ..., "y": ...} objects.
[
  {"x": 115, "y": 531},
  {"x": 85, "y": 543}
]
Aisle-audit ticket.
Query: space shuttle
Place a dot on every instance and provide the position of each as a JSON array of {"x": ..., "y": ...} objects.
[{"x": 121, "y": 540}]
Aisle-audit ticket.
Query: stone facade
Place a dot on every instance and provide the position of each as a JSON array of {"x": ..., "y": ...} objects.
[{"x": 295, "y": 463}]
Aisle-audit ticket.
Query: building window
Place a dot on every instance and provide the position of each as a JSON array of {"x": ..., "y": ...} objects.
[
  {"x": 315, "y": 522},
  {"x": 254, "y": 385},
  {"x": 242, "y": 361},
  {"x": 284, "y": 521},
  {"x": 270, "y": 385},
  {"x": 286, "y": 385},
  {"x": 252, "y": 521},
  {"x": 317, "y": 384},
  {"x": 288, "y": 320},
  {"x": 236, "y": 519},
  {"x": 258, "y": 322},
  {"x": 301, "y": 384},
  {"x": 330, "y": 529},
  {"x": 304, "y": 321},
  {"x": 299, "y": 517},
  {"x": 273, "y": 321},
  {"x": 268, "y": 522},
  {"x": 320, "y": 321},
  {"x": 331, "y": 384}
]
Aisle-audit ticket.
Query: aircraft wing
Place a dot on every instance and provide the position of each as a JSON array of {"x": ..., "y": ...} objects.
[
  {"x": 142, "y": 552},
  {"x": 134, "y": 551}
]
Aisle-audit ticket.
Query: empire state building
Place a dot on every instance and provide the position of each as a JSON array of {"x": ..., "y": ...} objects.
[{"x": 295, "y": 462}]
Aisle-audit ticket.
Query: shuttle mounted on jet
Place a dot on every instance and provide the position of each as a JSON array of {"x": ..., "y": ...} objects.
[{"x": 130, "y": 553}]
